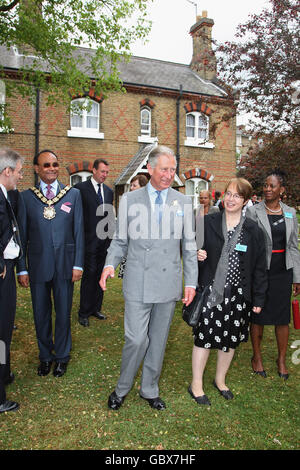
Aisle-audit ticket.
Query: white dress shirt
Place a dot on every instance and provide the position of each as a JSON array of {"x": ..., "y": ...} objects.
[{"x": 12, "y": 249}]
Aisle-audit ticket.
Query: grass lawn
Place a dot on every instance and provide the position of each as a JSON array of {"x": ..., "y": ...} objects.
[{"x": 71, "y": 412}]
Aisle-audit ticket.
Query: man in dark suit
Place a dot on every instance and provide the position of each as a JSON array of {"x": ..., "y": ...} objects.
[
  {"x": 10, "y": 174},
  {"x": 52, "y": 223},
  {"x": 94, "y": 193}
]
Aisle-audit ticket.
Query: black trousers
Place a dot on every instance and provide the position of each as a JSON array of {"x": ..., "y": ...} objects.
[
  {"x": 91, "y": 294},
  {"x": 7, "y": 318}
]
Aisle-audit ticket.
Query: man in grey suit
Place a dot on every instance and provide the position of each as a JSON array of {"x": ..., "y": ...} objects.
[{"x": 154, "y": 222}]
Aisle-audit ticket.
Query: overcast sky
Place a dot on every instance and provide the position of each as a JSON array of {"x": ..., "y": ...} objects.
[{"x": 172, "y": 19}]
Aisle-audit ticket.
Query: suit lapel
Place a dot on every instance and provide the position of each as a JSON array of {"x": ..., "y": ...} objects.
[
  {"x": 289, "y": 222},
  {"x": 92, "y": 192},
  {"x": 263, "y": 218}
]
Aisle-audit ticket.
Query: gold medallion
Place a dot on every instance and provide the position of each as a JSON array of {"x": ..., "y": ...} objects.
[{"x": 49, "y": 212}]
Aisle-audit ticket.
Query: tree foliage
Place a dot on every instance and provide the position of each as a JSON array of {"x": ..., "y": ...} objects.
[
  {"x": 277, "y": 152},
  {"x": 262, "y": 64},
  {"x": 47, "y": 34}
]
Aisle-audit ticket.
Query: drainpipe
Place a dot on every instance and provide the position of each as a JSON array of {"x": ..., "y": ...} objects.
[
  {"x": 37, "y": 129},
  {"x": 178, "y": 129}
]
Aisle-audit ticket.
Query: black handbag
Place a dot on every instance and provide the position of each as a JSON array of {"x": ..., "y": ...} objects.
[{"x": 191, "y": 313}]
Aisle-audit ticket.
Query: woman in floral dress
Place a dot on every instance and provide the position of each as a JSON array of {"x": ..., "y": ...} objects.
[{"x": 232, "y": 265}]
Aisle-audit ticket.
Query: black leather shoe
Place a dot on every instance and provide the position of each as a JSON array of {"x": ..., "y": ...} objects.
[
  {"x": 99, "y": 315},
  {"x": 202, "y": 400},
  {"x": 83, "y": 321},
  {"x": 227, "y": 394},
  {"x": 60, "y": 369},
  {"x": 114, "y": 401},
  {"x": 155, "y": 403},
  {"x": 9, "y": 406},
  {"x": 44, "y": 368},
  {"x": 9, "y": 380},
  {"x": 283, "y": 376},
  {"x": 262, "y": 373}
]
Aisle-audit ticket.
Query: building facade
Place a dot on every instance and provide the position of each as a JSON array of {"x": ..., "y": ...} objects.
[{"x": 165, "y": 103}]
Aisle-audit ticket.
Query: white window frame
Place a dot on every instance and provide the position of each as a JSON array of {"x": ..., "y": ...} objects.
[
  {"x": 193, "y": 186},
  {"x": 84, "y": 175},
  {"x": 195, "y": 141},
  {"x": 145, "y": 136},
  {"x": 84, "y": 131}
]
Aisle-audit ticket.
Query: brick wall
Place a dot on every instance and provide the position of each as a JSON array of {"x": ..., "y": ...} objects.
[{"x": 120, "y": 123}]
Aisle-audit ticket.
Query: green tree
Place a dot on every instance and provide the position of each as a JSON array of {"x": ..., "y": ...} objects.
[
  {"x": 48, "y": 34},
  {"x": 276, "y": 152},
  {"x": 262, "y": 64}
]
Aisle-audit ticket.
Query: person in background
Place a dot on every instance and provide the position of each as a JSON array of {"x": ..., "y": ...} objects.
[
  {"x": 95, "y": 195},
  {"x": 254, "y": 199},
  {"x": 137, "y": 182},
  {"x": 280, "y": 226},
  {"x": 206, "y": 199},
  {"x": 10, "y": 250},
  {"x": 218, "y": 201},
  {"x": 232, "y": 268}
]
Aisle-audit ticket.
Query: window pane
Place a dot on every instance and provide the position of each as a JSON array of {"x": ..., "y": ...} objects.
[
  {"x": 202, "y": 134},
  {"x": 92, "y": 116},
  {"x": 91, "y": 122},
  {"x": 190, "y": 125},
  {"x": 145, "y": 122},
  {"x": 75, "y": 179},
  {"x": 202, "y": 127},
  {"x": 76, "y": 121}
]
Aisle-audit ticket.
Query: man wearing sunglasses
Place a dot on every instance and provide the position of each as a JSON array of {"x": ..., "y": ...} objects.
[{"x": 52, "y": 223}]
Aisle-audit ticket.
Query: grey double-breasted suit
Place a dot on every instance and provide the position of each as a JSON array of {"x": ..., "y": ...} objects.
[{"x": 152, "y": 280}]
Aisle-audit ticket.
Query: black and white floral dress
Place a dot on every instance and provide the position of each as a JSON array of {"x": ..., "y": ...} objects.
[{"x": 227, "y": 324}]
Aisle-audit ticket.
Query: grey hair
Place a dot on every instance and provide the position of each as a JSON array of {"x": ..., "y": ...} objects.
[
  {"x": 9, "y": 159},
  {"x": 157, "y": 152}
]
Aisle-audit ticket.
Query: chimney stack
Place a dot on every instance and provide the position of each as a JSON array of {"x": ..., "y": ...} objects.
[{"x": 204, "y": 60}]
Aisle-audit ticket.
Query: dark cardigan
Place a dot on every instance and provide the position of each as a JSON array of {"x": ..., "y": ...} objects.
[{"x": 252, "y": 262}]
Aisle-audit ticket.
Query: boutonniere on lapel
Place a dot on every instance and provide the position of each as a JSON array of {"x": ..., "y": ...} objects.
[{"x": 174, "y": 203}]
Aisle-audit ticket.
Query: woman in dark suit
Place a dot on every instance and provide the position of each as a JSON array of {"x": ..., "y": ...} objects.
[
  {"x": 280, "y": 226},
  {"x": 232, "y": 265}
]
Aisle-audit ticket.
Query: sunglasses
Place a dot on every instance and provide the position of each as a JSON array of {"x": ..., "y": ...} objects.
[{"x": 48, "y": 165}]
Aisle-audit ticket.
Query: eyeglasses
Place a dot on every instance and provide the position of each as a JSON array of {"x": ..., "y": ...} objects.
[
  {"x": 48, "y": 165},
  {"x": 235, "y": 196}
]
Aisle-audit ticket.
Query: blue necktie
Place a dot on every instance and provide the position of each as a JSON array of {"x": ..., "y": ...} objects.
[
  {"x": 158, "y": 206},
  {"x": 99, "y": 194}
]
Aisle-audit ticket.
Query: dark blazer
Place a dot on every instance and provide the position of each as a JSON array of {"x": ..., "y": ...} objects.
[
  {"x": 55, "y": 245},
  {"x": 90, "y": 203},
  {"x": 252, "y": 262},
  {"x": 6, "y": 229}
]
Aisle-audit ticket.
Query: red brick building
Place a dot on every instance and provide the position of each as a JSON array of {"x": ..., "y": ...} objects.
[{"x": 165, "y": 103}]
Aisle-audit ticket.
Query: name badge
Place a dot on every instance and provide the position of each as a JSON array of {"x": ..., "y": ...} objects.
[
  {"x": 240, "y": 247},
  {"x": 288, "y": 215},
  {"x": 65, "y": 208}
]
